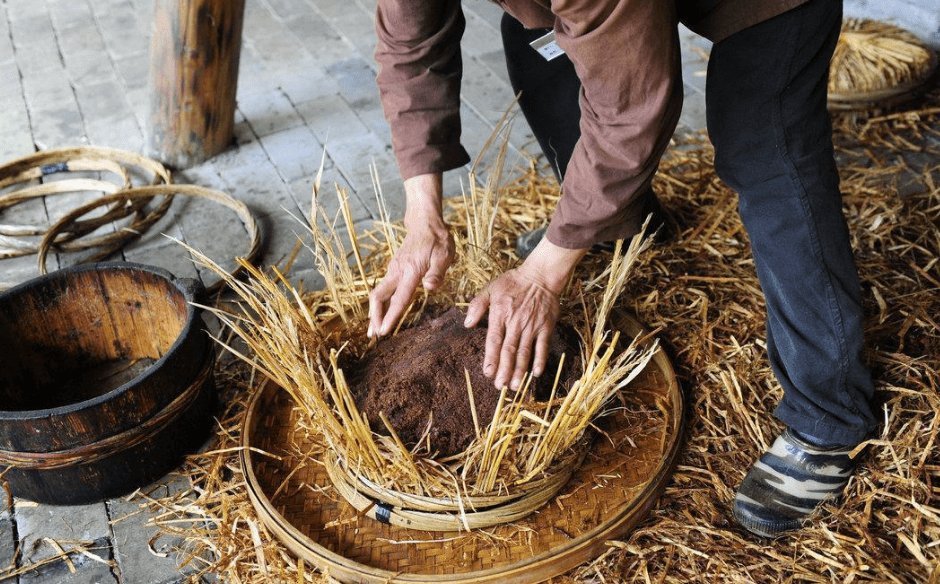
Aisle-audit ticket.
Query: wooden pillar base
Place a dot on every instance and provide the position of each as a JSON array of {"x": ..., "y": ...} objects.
[{"x": 194, "y": 55}]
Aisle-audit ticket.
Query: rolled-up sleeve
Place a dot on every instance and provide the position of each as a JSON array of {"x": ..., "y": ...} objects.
[
  {"x": 418, "y": 53},
  {"x": 626, "y": 54}
]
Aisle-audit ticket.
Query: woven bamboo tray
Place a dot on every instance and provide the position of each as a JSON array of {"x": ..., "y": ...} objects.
[{"x": 613, "y": 490}]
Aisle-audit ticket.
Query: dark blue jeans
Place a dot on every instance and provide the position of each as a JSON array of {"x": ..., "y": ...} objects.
[{"x": 767, "y": 118}]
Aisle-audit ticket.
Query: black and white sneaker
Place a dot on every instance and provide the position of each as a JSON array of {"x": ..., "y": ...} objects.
[{"x": 788, "y": 483}]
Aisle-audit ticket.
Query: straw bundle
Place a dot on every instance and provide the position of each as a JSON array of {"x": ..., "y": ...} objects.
[
  {"x": 297, "y": 341},
  {"x": 874, "y": 61}
]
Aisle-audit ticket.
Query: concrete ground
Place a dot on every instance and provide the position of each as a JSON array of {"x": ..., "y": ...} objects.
[{"x": 75, "y": 72}]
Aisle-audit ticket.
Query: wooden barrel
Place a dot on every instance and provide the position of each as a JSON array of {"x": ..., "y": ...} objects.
[{"x": 106, "y": 381}]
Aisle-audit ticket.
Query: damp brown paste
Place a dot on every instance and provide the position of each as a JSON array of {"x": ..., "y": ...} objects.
[{"x": 418, "y": 376}]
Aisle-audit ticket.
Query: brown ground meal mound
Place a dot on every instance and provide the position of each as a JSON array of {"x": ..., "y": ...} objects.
[{"x": 418, "y": 375}]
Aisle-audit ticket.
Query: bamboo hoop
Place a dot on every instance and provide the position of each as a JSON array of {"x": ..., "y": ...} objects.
[
  {"x": 453, "y": 514},
  {"x": 79, "y": 159},
  {"x": 387, "y": 507},
  {"x": 63, "y": 225}
]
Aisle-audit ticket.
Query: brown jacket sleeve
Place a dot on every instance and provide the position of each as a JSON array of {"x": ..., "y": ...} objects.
[
  {"x": 626, "y": 53},
  {"x": 418, "y": 54}
]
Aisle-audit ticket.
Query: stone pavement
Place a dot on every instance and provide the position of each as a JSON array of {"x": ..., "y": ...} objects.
[{"x": 74, "y": 72}]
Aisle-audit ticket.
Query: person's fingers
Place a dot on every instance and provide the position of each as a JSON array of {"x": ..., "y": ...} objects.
[
  {"x": 377, "y": 303},
  {"x": 508, "y": 349},
  {"x": 541, "y": 351},
  {"x": 522, "y": 358},
  {"x": 495, "y": 332},
  {"x": 441, "y": 258},
  {"x": 398, "y": 302},
  {"x": 477, "y": 308}
]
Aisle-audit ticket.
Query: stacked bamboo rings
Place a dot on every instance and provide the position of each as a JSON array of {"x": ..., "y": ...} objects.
[
  {"x": 461, "y": 513},
  {"x": 115, "y": 171}
]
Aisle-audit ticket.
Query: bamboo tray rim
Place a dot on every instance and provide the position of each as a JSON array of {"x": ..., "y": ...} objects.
[{"x": 536, "y": 568}]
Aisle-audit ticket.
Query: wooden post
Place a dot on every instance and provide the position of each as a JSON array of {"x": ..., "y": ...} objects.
[{"x": 194, "y": 54}]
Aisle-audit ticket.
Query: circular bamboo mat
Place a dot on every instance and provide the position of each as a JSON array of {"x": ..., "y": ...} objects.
[{"x": 613, "y": 490}]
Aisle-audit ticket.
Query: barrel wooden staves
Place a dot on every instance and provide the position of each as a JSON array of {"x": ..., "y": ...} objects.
[{"x": 106, "y": 381}]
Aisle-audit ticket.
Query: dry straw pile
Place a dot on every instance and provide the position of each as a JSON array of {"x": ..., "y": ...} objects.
[{"x": 701, "y": 289}]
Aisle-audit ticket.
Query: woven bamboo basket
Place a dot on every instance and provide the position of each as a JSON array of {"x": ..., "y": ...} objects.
[
  {"x": 877, "y": 65},
  {"x": 609, "y": 492}
]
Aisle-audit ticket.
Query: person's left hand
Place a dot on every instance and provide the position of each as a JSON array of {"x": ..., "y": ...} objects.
[{"x": 523, "y": 306}]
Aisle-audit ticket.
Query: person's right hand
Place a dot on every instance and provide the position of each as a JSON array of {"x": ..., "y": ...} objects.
[{"x": 423, "y": 258}]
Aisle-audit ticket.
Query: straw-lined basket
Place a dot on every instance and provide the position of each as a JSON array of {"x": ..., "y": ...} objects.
[
  {"x": 615, "y": 487},
  {"x": 877, "y": 65}
]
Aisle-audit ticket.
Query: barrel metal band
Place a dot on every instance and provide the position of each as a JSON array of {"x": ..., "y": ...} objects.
[{"x": 112, "y": 444}]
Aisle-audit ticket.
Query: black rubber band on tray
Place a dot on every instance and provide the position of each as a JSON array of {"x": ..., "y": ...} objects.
[{"x": 383, "y": 513}]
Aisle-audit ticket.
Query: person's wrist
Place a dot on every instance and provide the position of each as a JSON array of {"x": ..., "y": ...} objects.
[
  {"x": 424, "y": 202},
  {"x": 551, "y": 265}
]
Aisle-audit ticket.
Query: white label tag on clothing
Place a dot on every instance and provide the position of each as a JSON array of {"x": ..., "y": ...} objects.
[{"x": 547, "y": 47}]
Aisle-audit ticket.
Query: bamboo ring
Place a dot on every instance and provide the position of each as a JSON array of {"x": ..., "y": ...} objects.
[
  {"x": 80, "y": 159},
  {"x": 63, "y": 225},
  {"x": 403, "y": 510}
]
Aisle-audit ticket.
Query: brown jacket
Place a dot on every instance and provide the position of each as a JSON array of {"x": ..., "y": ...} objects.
[{"x": 626, "y": 53}]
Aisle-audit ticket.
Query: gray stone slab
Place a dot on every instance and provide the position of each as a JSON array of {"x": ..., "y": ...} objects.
[
  {"x": 10, "y": 86},
  {"x": 268, "y": 112},
  {"x": 29, "y": 25},
  {"x": 480, "y": 35},
  {"x": 70, "y": 527},
  {"x": 356, "y": 81},
  {"x": 260, "y": 21},
  {"x": 79, "y": 36},
  {"x": 25, "y": 9},
  {"x": 17, "y": 140},
  {"x": 6, "y": 42},
  {"x": 122, "y": 132},
  {"x": 144, "y": 554},
  {"x": 259, "y": 187},
  {"x": 353, "y": 156},
  {"x": 7, "y": 534},
  {"x": 15, "y": 271},
  {"x": 286, "y": 9},
  {"x": 102, "y": 100},
  {"x": 323, "y": 42},
  {"x": 39, "y": 59},
  {"x": 54, "y": 115},
  {"x": 125, "y": 32},
  {"x": 353, "y": 22},
  {"x": 279, "y": 49},
  {"x": 88, "y": 67},
  {"x": 489, "y": 95},
  {"x": 331, "y": 118},
  {"x": 70, "y": 14},
  {"x": 312, "y": 82},
  {"x": 488, "y": 11},
  {"x": 133, "y": 70},
  {"x": 295, "y": 152}
]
